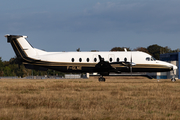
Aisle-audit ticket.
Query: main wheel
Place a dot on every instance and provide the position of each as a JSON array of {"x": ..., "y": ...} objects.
[{"x": 101, "y": 79}]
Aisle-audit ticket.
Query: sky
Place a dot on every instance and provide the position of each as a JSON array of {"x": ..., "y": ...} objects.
[{"x": 59, "y": 25}]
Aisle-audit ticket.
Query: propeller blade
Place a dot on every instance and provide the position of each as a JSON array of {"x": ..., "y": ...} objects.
[
  {"x": 100, "y": 58},
  {"x": 131, "y": 64}
]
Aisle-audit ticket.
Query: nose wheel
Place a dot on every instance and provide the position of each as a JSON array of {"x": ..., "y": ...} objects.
[
  {"x": 102, "y": 79},
  {"x": 173, "y": 79}
]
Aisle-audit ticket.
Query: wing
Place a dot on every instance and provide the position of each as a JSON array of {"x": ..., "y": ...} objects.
[{"x": 104, "y": 67}]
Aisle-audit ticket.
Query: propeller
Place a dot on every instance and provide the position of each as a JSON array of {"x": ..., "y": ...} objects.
[
  {"x": 100, "y": 58},
  {"x": 130, "y": 64}
]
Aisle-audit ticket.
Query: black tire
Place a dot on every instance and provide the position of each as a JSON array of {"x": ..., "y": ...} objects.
[
  {"x": 173, "y": 79},
  {"x": 101, "y": 79}
]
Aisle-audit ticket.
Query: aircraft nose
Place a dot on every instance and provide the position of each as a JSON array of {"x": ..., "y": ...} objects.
[{"x": 174, "y": 67}]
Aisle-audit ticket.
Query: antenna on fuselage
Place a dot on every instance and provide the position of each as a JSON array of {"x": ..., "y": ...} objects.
[{"x": 125, "y": 49}]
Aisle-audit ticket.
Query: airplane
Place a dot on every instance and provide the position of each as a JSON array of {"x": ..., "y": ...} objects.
[{"x": 86, "y": 62}]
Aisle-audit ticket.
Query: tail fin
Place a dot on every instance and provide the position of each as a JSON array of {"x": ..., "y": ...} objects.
[{"x": 21, "y": 46}]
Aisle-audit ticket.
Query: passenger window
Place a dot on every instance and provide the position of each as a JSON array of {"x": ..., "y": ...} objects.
[
  {"x": 125, "y": 59},
  {"x": 80, "y": 59},
  {"x": 110, "y": 59},
  {"x": 87, "y": 59},
  {"x": 117, "y": 60},
  {"x": 72, "y": 59},
  {"x": 95, "y": 59}
]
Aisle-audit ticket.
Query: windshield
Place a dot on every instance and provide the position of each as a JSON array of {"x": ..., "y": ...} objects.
[
  {"x": 150, "y": 59},
  {"x": 153, "y": 59}
]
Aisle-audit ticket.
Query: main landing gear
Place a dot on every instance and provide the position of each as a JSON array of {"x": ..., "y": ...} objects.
[{"x": 102, "y": 79}]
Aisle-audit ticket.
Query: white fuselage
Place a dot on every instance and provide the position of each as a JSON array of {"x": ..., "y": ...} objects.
[
  {"x": 123, "y": 61},
  {"x": 82, "y": 57}
]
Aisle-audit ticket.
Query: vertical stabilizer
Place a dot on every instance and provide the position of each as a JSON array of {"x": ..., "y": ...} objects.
[{"x": 21, "y": 46}]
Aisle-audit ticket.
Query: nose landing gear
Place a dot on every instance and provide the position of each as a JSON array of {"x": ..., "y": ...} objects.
[{"x": 173, "y": 79}]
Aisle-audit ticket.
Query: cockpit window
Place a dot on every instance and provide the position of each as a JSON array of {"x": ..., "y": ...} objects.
[
  {"x": 153, "y": 59},
  {"x": 148, "y": 58}
]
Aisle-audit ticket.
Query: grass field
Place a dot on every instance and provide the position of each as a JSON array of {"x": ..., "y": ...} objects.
[{"x": 88, "y": 99}]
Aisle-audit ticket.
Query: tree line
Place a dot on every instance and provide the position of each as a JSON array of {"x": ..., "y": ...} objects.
[
  {"x": 154, "y": 50},
  {"x": 13, "y": 68}
]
